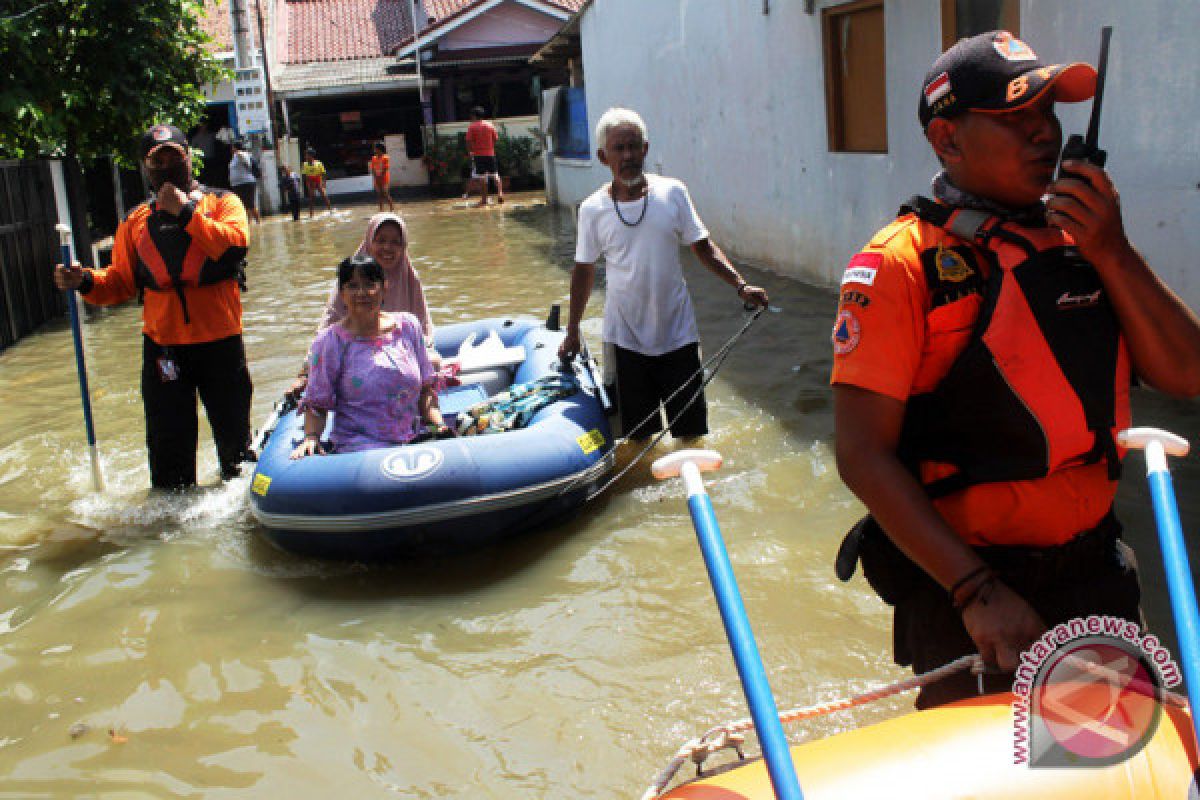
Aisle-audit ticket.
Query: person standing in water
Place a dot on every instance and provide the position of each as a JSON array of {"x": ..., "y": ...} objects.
[
  {"x": 638, "y": 223},
  {"x": 185, "y": 249},
  {"x": 381, "y": 176}
]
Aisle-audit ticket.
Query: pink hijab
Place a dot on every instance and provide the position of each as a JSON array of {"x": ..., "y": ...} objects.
[{"x": 404, "y": 292}]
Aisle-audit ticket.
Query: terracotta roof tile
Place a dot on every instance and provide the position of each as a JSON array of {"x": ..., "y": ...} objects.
[{"x": 338, "y": 30}]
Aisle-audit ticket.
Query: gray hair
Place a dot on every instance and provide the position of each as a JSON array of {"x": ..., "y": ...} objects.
[{"x": 616, "y": 117}]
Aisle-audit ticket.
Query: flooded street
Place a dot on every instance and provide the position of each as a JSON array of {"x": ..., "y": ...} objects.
[{"x": 153, "y": 645}]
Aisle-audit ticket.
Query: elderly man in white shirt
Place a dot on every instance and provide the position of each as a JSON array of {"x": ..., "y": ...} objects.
[{"x": 638, "y": 223}]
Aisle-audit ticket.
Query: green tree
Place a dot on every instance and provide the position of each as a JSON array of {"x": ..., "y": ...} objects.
[{"x": 84, "y": 78}]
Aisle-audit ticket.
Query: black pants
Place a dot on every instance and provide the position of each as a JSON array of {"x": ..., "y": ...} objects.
[
  {"x": 1092, "y": 574},
  {"x": 293, "y": 199},
  {"x": 217, "y": 370},
  {"x": 645, "y": 382}
]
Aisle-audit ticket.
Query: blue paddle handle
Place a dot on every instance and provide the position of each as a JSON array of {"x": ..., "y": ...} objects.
[
  {"x": 745, "y": 651},
  {"x": 80, "y": 363},
  {"x": 1179, "y": 586}
]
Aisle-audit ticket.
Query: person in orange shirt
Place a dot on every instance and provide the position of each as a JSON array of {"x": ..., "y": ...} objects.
[
  {"x": 186, "y": 249},
  {"x": 481, "y": 143},
  {"x": 984, "y": 347},
  {"x": 381, "y": 174}
]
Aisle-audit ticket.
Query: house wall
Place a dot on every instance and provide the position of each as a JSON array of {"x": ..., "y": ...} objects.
[
  {"x": 507, "y": 24},
  {"x": 405, "y": 171},
  {"x": 734, "y": 100}
]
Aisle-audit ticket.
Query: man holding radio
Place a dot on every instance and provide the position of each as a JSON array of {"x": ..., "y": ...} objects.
[{"x": 984, "y": 348}]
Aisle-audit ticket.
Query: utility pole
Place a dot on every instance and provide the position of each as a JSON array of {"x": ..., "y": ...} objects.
[
  {"x": 426, "y": 103},
  {"x": 251, "y": 92},
  {"x": 243, "y": 44},
  {"x": 428, "y": 133},
  {"x": 266, "y": 65}
]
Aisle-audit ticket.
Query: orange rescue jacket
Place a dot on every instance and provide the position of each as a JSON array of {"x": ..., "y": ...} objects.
[
  {"x": 1043, "y": 383},
  {"x": 190, "y": 267}
]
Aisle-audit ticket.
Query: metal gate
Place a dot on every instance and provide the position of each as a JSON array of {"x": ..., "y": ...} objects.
[{"x": 28, "y": 249}]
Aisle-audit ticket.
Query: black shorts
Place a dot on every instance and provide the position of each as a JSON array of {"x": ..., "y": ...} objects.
[
  {"x": 645, "y": 382},
  {"x": 248, "y": 194},
  {"x": 484, "y": 165}
]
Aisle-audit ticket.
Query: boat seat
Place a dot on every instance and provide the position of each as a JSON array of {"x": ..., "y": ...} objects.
[{"x": 493, "y": 380}]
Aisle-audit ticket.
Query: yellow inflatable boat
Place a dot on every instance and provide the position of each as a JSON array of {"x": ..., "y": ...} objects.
[{"x": 963, "y": 750}]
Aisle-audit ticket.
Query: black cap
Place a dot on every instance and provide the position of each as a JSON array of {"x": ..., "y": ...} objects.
[
  {"x": 160, "y": 135},
  {"x": 996, "y": 71}
]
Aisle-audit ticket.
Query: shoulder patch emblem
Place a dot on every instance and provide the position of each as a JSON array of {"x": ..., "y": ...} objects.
[
  {"x": 951, "y": 266},
  {"x": 846, "y": 333},
  {"x": 1011, "y": 48}
]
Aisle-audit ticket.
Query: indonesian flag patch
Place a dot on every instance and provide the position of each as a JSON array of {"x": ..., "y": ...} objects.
[{"x": 937, "y": 89}]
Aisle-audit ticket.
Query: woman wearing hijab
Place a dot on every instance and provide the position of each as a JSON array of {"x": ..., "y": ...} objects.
[
  {"x": 386, "y": 241},
  {"x": 371, "y": 369}
]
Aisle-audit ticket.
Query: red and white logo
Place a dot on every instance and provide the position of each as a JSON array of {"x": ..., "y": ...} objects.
[
  {"x": 846, "y": 333},
  {"x": 937, "y": 89},
  {"x": 160, "y": 133}
]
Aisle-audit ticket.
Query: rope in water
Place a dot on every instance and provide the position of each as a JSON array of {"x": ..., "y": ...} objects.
[
  {"x": 731, "y": 735},
  {"x": 712, "y": 365}
]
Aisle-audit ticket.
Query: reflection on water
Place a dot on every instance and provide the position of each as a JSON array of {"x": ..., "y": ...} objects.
[{"x": 152, "y": 645}]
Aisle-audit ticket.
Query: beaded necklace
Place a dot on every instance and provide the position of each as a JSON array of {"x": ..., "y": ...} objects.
[{"x": 617, "y": 208}]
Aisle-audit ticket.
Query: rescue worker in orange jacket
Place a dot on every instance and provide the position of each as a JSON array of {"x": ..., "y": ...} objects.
[
  {"x": 185, "y": 249},
  {"x": 984, "y": 347}
]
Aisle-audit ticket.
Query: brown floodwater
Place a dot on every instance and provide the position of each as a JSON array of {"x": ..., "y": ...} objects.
[{"x": 153, "y": 645}]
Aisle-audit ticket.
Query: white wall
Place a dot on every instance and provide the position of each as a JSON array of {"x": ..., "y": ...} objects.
[
  {"x": 405, "y": 171},
  {"x": 735, "y": 105}
]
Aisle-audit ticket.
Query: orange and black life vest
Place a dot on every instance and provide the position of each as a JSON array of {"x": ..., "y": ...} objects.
[
  {"x": 166, "y": 257},
  {"x": 1043, "y": 383}
]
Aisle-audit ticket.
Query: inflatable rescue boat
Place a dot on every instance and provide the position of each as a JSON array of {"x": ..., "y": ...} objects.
[
  {"x": 553, "y": 447},
  {"x": 962, "y": 750}
]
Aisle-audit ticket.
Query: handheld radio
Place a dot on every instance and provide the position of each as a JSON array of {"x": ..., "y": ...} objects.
[{"x": 1086, "y": 148}]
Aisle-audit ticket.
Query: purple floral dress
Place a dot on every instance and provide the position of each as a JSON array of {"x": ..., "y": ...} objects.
[{"x": 371, "y": 384}]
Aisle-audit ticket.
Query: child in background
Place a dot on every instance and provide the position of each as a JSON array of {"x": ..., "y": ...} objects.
[
  {"x": 314, "y": 180},
  {"x": 381, "y": 174}
]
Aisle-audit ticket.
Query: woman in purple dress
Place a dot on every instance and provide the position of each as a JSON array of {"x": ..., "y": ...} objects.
[
  {"x": 371, "y": 369},
  {"x": 386, "y": 241}
]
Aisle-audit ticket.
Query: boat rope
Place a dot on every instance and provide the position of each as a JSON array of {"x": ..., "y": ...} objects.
[
  {"x": 278, "y": 410},
  {"x": 708, "y": 370},
  {"x": 731, "y": 735}
]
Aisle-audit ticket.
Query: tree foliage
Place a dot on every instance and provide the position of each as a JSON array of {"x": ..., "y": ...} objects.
[{"x": 87, "y": 77}]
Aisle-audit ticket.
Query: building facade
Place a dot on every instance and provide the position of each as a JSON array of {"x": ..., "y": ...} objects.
[{"x": 802, "y": 138}]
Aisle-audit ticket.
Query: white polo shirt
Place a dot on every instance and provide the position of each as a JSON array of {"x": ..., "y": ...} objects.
[{"x": 648, "y": 309}]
